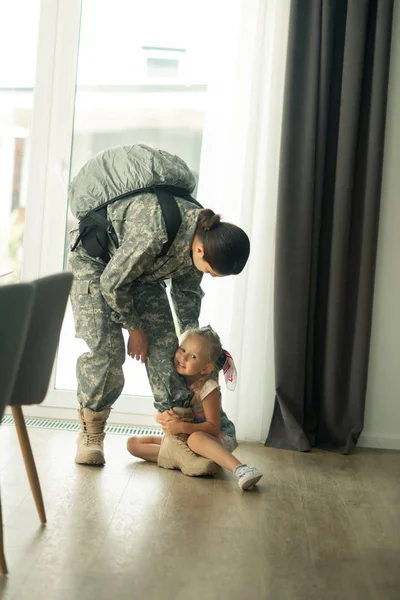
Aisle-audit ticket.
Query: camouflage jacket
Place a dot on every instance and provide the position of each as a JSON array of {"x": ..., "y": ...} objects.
[{"x": 139, "y": 226}]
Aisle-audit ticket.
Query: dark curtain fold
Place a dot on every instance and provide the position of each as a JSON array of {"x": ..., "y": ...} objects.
[{"x": 327, "y": 224}]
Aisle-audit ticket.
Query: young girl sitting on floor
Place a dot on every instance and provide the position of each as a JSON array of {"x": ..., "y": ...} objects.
[{"x": 211, "y": 434}]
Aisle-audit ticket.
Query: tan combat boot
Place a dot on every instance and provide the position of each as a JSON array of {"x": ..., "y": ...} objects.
[
  {"x": 90, "y": 449},
  {"x": 176, "y": 454},
  {"x": 185, "y": 414}
]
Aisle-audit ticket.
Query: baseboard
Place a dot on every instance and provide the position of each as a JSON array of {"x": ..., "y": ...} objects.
[
  {"x": 74, "y": 426},
  {"x": 379, "y": 440},
  {"x": 115, "y": 417},
  {"x": 367, "y": 440}
]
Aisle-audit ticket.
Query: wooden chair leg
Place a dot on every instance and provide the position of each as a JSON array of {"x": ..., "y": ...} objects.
[
  {"x": 3, "y": 564},
  {"x": 29, "y": 460}
]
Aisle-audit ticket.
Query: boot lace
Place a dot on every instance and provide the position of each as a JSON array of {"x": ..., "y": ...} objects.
[
  {"x": 183, "y": 443},
  {"x": 92, "y": 439},
  {"x": 94, "y": 434}
]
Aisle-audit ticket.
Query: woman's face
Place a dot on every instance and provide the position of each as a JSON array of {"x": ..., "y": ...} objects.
[{"x": 198, "y": 259}]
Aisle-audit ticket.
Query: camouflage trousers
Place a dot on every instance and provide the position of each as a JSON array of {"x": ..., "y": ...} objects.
[{"x": 99, "y": 371}]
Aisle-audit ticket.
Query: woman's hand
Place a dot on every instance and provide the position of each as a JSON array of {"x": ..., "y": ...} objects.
[
  {"x": 138, "y": 345},
  {"x": 172, "y": 426}
]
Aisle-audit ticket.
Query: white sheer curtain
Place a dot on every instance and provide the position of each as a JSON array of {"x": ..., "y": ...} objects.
[{"x": 239, "y": 179}]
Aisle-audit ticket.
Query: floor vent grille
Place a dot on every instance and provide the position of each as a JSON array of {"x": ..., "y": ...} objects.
[{"x": 66, "y": 425}]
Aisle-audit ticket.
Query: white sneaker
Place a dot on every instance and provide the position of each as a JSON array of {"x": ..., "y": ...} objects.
[{"x": 246, "y": 476}]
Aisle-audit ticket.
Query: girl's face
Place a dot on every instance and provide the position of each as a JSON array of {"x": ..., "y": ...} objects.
[{"x": 191, "y": 357}]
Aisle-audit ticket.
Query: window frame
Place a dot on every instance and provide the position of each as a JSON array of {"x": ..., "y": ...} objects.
[{"x": 48, "y": 175}]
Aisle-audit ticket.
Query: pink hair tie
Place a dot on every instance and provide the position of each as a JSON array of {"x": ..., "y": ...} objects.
[{"x": 226, "y": 363}]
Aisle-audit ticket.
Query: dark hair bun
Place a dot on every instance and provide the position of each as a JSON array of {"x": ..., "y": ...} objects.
[
  {"x": 226, "y": 246},
  {"x": 208, "y": 220}
]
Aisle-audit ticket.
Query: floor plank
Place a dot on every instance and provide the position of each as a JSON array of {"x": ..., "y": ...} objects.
[{"x": 319, "y": 526}]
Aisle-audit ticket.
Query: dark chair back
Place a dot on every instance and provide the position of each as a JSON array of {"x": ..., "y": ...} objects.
[
  {"x": 16, "y": 303},
  {"x": 49, "y": 303}
]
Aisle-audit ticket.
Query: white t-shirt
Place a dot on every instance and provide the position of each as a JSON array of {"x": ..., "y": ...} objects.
[{"x": 227, "y": 427}]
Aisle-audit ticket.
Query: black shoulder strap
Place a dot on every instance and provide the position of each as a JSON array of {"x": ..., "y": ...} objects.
[
  {"x": 172, "y": 216},
  {"x": 170, "y": 210},
  {"x": 173, "y": 190},
  {"x": 166, "y": 198}
]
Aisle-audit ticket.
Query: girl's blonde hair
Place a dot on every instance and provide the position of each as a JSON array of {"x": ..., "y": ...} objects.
[{"x": 213, "y": 350}]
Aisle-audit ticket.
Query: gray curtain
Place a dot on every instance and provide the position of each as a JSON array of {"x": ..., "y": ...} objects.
[{"x": 328, "y": 213}]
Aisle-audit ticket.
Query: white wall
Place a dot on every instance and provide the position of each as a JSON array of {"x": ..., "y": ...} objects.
[{"x": 382, "y": 419}]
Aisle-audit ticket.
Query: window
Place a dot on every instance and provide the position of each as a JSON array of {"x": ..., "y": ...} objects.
[
  {"x": 142, "y": 75},
  {"x": 18, "y": 42}
]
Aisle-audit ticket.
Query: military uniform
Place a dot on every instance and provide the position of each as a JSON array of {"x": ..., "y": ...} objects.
[{"x": 129, "y": 291}]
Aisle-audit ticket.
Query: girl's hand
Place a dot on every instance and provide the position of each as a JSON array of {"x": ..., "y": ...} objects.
[
  {"x": 162, "y": 417},
  {"x": 172, "y": 426}
]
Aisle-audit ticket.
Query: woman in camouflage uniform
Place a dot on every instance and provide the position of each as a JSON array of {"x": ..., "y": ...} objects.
[{"x": 128, "y": 291}]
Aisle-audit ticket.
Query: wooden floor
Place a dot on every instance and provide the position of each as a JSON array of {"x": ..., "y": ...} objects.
[{"x": 320, "y": 526}]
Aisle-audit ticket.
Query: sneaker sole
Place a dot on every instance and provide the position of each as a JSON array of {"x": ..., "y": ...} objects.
[{"x": 249, "y": 482}]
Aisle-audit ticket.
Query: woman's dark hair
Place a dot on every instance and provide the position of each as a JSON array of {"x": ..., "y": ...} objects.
[{"x": 226, "y": 246}]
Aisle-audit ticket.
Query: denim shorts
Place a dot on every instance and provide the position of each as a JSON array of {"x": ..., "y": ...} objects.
[{"x": 228, "y": 442}]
